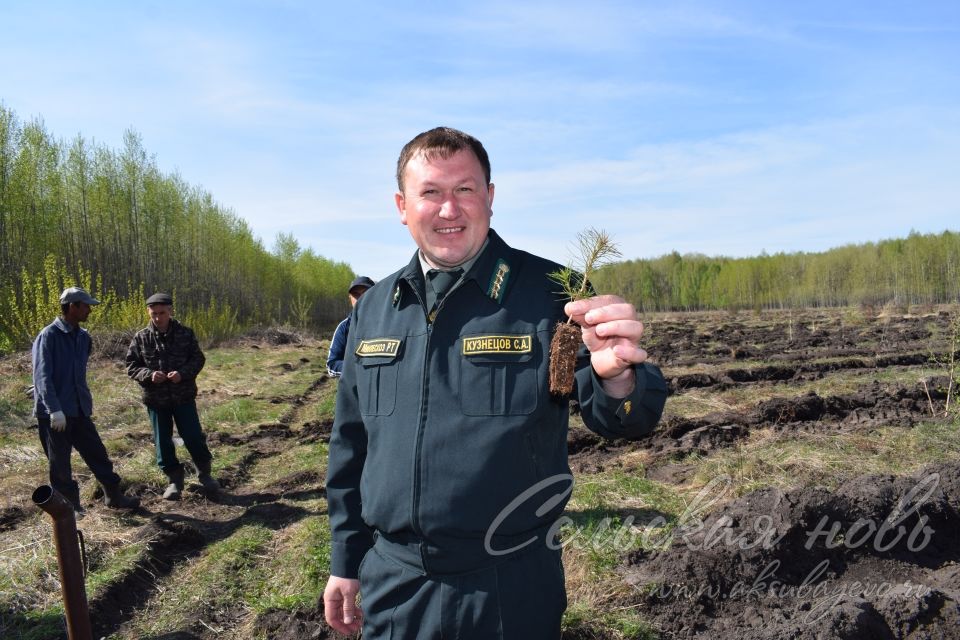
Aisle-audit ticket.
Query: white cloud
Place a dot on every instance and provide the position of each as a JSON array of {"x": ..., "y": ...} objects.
[{"x": 782, "y": 189}]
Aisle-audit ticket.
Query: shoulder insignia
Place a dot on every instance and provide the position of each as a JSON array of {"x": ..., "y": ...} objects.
[
  {"x": 378, "y": 347},
  {"x": 498, "y": 281}
]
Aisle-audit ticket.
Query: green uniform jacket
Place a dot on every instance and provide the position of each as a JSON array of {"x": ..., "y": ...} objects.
[
  {"x": 175, "y": 350},
  {"x": 441, "y": 426}
]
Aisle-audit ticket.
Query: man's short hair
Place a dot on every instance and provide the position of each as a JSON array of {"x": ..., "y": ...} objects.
[{"x": 441, "y": 142}]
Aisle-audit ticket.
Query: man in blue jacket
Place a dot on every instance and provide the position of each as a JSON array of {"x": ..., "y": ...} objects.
[
  {"x": 448, "y": 460},
  {"x": 338, "y": 346},
  {"x": 63, "y": 403}
]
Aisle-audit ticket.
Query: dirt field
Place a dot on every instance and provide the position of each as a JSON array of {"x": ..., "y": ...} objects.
[{"x": 804, "y": 483}]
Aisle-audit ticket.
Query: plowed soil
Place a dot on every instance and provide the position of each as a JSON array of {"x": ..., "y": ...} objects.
[
  {"x": 875, "y": 557},
  {"x": 872, "y": 556},
  {"x": 869, "y": 350}
]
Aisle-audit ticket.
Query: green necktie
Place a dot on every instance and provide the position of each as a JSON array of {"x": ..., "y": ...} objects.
[{"x": 438, "y": 283}]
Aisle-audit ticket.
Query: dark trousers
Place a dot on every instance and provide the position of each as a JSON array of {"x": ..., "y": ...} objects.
[
  {"x": 80, "y": 434},
  {"x": 188, "y": 426},
  {"x": 520, "y": 598}
]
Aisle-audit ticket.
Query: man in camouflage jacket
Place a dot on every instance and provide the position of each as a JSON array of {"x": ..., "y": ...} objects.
[{"x": 165, "y": 358}]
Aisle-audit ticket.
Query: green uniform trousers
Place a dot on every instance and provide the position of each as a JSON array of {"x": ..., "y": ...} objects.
[{"x": 520, "y": 598}]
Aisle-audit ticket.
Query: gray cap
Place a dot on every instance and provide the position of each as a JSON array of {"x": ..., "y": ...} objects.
[
  {"x": 76, "y": 294},
  {"x": 159, "y": 298},
  {"x": 362, "y": 281}
]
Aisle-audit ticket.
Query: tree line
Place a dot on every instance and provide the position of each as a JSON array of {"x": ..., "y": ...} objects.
[
  {"x": 80, "y": 212},
  {"x": 919, "y": 269}
]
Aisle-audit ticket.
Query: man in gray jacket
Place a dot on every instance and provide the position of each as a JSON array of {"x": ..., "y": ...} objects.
[{"x": 165, "y": 358}]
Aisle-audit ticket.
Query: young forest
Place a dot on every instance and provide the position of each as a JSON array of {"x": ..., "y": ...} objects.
[{"x": 81, "y": 213}]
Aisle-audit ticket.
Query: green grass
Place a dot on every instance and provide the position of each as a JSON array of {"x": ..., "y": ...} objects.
[
  {"x": 300, "y": 459},
  {"x": 15, "y": 412},
  {"x": 828, "y": 459},
  {"x": 226, "y": 457},
  {"x": 619, "y": 488},
  {"x": 623, "y": 624},
  {"x": 121, "y": 562},
  {"x": 238, "y": 411},
  {"x": 255, "y": 566},
  {"x": 610, "y": 514},
  {"x": 299, "y": 567},
  {"x": 268, "y": 372},
  {"x": 230, "y": 569},
  {"x": 140, "y": 465},
  {"x": 229, "y": 572},
  {"x": 326, "y": 403},
  {"x": 29, "y": 582},
  {"x": 34, "y": 625}
]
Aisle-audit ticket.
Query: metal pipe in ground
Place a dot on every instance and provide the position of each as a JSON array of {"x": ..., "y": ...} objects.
[{"x": 68, "y": 557}]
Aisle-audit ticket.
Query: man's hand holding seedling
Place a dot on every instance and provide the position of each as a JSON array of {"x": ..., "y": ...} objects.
[
  {"x": 611, "y": 332},
  {"x": 608, "y": 324}
]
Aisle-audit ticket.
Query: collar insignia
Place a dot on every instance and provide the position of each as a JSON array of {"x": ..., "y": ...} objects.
[{"x": 498, "y": 281}]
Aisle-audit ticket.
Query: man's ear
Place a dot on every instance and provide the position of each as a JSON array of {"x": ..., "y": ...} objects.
[{"x": 401, "y": 206}]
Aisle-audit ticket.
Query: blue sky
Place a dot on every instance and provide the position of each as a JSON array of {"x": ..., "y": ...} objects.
[{"x": 718, "y": 128}]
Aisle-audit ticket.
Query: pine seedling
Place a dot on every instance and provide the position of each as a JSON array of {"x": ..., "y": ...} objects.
[{"x": 593, "y": 249}]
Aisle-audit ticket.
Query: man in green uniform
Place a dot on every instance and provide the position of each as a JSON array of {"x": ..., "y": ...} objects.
[{"x": 448, "y": 460}]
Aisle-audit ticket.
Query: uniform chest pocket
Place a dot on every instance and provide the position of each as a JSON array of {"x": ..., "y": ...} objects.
[
  {"x": 377, "y": 385},
  {"x": 500, "y": 384}
]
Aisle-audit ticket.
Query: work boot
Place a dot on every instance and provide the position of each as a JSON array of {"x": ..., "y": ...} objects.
[
  {"x": 210, "y": 485},
  {"x": 114, "y": 498},
  {"x": 175, "y": 488},
  {"x": 73, "y": 497}
]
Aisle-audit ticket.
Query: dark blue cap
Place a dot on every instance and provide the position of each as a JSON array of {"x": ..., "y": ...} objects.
[{"x": 362, "y": 281}]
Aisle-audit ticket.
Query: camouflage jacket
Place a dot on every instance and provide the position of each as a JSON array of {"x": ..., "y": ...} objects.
[{"x": 175, "y": 350}]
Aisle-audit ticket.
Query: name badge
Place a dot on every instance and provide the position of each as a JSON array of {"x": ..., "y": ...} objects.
[
  {"x": 481, "y": 345},
  {"x": 378, "y": 347}
]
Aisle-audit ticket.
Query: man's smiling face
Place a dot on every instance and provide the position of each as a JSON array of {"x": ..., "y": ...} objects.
[{"x": 446, "y": 204}]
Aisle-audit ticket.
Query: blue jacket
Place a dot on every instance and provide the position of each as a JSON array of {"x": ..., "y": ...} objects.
[
  {"x": 338, "y": 347},
  {"x": 441, "y": 425},
  {"x": 60, "y": 355}
]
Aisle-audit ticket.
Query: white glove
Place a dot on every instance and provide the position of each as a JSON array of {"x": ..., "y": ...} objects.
[{"x": 58, "y": 421}]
